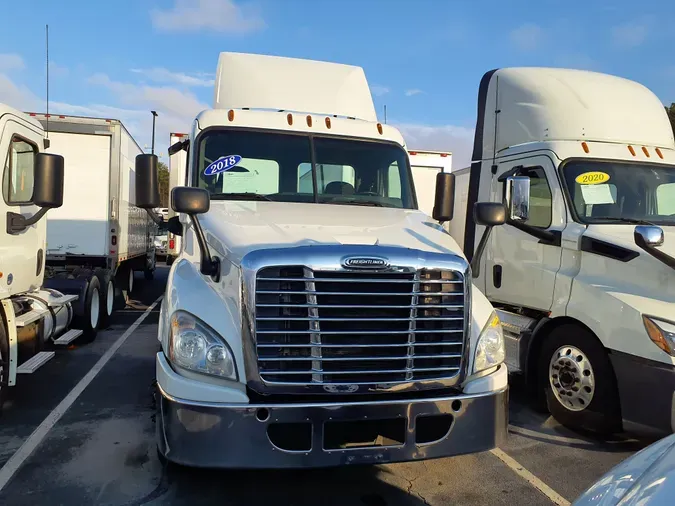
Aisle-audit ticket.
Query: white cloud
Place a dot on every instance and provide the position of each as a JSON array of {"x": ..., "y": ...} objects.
[
  {"x": 10, "y": 61},
  {"x": 378, "y": 90},
  {"x": 56, "y": 70},
  {"x": 162, "y": 75},
  {"x": 527, "y": 37},
  {"x": 17, "y": 96},
  {"x": 413, "y": 92},
  {"x": 222, "y": 16},
  {"x": 457, "y": 139},
  {"x": 630, "y": 35}
]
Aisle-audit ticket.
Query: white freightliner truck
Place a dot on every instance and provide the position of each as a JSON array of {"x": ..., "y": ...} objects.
[
  {"x": 316, "y": 324},
  {"x": 582, "y": 274},
  {"x": 177, "y": 172},
  {"x": 98, "y": 238},
  {"x": 32, "y": 317}
]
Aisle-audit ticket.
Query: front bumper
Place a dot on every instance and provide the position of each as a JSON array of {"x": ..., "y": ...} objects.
[
  {"x": 646, "y": 391},
  {"x": 207, "y": 434}
]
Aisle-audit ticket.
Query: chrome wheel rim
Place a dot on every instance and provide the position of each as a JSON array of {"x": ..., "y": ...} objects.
[
  {"x": 95, "y": 308},
  {"x": 131, "y": 280},
  {"x": 110, "y": 295},
  {"x": 571, "y": 376}
]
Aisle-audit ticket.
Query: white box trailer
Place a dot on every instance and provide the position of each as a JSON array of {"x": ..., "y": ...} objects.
[
  {"x": 177, "y": 175},
  {"x": 424, "y": 166},
  {"x": 98, "y": 230}
]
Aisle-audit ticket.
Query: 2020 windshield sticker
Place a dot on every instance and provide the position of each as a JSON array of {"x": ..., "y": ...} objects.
[
  {"x": 594, "y": 177},
  {"x": 222, "y": 164}
]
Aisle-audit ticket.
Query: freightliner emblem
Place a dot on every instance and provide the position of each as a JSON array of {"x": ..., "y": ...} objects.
[{"x": 372, "y": 263}]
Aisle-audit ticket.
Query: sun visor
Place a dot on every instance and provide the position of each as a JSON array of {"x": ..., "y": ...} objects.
[{"x": 291, "y": 84}]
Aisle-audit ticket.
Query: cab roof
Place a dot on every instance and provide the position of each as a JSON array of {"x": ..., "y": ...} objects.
[{"x": 545, "y": 104}]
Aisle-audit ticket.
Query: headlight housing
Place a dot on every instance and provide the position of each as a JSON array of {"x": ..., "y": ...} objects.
[
  {"x": 661, "y": 332},
  {"x": 490, "y": 347},
  {"x": 193, "y": 345}
]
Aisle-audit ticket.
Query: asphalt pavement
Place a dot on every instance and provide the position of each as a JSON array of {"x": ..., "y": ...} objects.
[{"x": 81, "y": 431}]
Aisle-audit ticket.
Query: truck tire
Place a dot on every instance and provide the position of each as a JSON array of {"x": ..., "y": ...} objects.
[
  {"x": 89, "y": 320},
  {"x": 4, "y": 361},
  {"x": 107, "y": 282},
  {"x": 148, "y": 274},
  {"x": 578, "y": 381},
  {"x": 169, "y": 260}
]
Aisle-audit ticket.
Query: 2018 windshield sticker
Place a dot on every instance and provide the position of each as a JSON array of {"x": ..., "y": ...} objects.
[
  {"x": 222, "y": 164},
  {"x": 594, "y": 177}
]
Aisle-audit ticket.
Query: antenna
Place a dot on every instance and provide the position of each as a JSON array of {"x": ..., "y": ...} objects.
[
  {"x": 497, "y": 111},
  {"x": 385, "y": 114},
  {"x": 47, "y": 42}
]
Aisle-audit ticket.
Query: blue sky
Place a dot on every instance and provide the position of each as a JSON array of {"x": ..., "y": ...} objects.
[{"x": 423, "y": 58}]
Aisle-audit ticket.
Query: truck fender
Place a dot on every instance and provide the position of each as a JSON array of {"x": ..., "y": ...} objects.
[{"x": 71, "y": 287}]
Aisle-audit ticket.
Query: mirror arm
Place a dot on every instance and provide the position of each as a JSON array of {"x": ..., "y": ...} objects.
[
  {"x": 155, "y": 217},
  {"x": 655, "y": 252},
  {"x": 475, "y": 261},
  {"x": 210, "y": 266},
  {"x": 17, "y": 223}
]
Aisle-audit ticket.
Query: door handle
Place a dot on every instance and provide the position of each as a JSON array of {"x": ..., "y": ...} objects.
[{"x": 497, "y": 276}]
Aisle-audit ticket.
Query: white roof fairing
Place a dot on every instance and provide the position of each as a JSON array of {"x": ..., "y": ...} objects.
[
  {"x": 291, "y": 84},
  {"x": 548, "y": 104}
]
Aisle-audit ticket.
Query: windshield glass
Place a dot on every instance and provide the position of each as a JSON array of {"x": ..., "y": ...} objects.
[
  {"x": 246, "y": 165},
  {"x": 616, "y": 192}
]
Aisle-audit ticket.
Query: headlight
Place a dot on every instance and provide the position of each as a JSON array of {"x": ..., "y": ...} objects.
[
  {"x": 195, "y": 346},
  {"x": 662, "y": 333},
  {"x": 490, "y": 348}
]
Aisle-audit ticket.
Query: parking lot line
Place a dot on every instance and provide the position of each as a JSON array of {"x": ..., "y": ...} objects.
[
  {"x": 513, "y": 464},
  {"x": 29, "y": 446}
]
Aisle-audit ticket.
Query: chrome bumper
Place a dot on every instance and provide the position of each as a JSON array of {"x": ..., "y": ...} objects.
[{"x": 240, "y": 435}]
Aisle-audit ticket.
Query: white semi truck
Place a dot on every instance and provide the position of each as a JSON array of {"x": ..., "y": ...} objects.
[
  {"x": 322, "y": 324},
  {"x": 177, "y": 171},
  {"x": 583, "y": 272},
  {"x": 98, "y": 238},
  {"x": 33, "y": 319}
]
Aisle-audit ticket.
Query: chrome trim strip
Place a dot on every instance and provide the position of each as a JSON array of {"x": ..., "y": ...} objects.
[{"x": 225, "y": 405}]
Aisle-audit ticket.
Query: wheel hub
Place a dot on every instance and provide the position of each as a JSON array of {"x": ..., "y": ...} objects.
[{"x": 571, "y": 378}]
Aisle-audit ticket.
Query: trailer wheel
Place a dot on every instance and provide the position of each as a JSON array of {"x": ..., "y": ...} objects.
[
  {"x": 89, "y": 320},
  {"x": 107, "y": 282},
  {"x": 4, "y": 362},
  {"x": 148, "y": 274},
  {"x": 579, "y": 381}
]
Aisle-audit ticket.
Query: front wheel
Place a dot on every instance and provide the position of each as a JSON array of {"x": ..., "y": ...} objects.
[{"x": 578, "y": 381}]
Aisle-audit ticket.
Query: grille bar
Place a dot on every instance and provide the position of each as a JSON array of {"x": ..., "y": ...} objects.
[{"x": 358, "y": 328}]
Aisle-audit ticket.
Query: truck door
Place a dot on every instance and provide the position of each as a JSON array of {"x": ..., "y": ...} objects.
[
  {"x": 21, "y": 254},
  {"x": 523, "y": 258}
]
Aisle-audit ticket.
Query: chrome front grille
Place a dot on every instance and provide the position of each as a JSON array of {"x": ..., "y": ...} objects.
[{"x": 357, "y": 328}]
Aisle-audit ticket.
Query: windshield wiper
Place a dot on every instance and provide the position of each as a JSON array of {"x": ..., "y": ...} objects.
[
  {"x": 239, "y": 196},
  {"x": 632, "y": 221},
  {"x": 369, "y": 203}
]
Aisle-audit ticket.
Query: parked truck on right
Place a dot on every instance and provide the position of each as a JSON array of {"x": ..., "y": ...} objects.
[{"x": 583, "y": 272}]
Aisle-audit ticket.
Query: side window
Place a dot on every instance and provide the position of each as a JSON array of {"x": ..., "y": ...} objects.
[
  {"x": 17, "y": 176},
  {"x": 665, "y": 199},
  {"x": 541, "y": 200}
]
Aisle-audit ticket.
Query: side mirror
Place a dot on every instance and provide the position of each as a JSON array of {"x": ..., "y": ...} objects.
[
  {"x": 175, "y": 226},
  {"x": 489, "y": 214},
  {"x": 190, "y": 201},
  {"x": 48, "y": 180},
  {"x": 648, "y": 236},
  {"x": 147, "y": 182},
  {"x": 517, "y": 197},
  {"x": 444, "y": 204}
]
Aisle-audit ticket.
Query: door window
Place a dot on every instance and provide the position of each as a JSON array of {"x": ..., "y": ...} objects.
[
  {"x": 17, "y": 177},
  {"x": 541, "y": 200}
]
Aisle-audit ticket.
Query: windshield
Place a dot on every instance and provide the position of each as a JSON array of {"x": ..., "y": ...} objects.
[
  {"x": 617, "y": 192},
  {"x": 247, "y": 165}
]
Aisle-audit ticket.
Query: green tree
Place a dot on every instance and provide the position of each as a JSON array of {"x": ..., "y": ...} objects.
[
  {"x": 163, "y": 185},
  {"x": 671, "y": 115}
]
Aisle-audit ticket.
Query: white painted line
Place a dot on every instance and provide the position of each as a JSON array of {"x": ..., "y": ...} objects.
[
  {"x": 551, "y": 437},
  {"x": 28, "y": 447},
  {"x": 554, "y": 496}
]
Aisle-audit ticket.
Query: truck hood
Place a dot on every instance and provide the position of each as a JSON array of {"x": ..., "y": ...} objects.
[
  {"x": 234, "y": 228},
  {"x": 622, "y": 235}
]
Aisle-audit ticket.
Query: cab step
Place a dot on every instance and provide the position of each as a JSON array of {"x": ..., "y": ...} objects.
[
  {"x": 31, "y": 316},
  {"x": 514, "y": 326},
  {"x": 68, "y": 337},
  {"x": 34, "y": 363}
]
